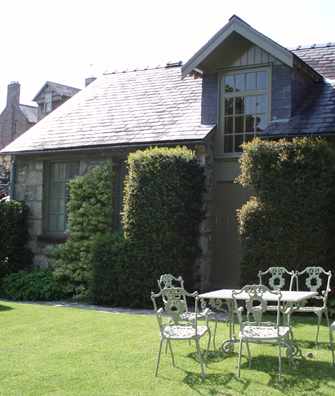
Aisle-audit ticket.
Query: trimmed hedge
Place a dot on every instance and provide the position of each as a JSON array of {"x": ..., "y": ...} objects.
[
  {"x": 90, "y": 214},
  {"x": 163, "y": 208},
  {"x": 14, "y": 254},
  {"x": 37, "y": 285},
  {"x": 116, "y": 276},
  {"x": 291, "y": 220}
]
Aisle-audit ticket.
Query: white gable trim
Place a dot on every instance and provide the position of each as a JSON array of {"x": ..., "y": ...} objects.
[{"x": 237, "y": 25}]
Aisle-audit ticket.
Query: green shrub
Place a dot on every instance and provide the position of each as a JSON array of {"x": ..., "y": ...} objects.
[
  {"x": 116, "y": 276},
  {"x": 90, "y": 214},
  {"x": 37, "y": 285},
  {"x": 291, "y": 220},
  {"x": 163, "y": 208},
  {"x": 14, "y": 254}
]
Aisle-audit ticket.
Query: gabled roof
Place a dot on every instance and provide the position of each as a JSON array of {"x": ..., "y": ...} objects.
[
  {"x": 60, "y": 89},
  {"x": 237, "y": 25},
  {"x": 30, "y": 112},
  {"x": 321, "y": 57},
  {"x": 149, "y": 106}
]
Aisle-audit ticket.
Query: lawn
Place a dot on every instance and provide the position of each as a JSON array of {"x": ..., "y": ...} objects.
[{"x": 69, "y": 351}]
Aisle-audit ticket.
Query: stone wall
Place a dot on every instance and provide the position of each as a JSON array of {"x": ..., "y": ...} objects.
[{"x": 29, "y": 187}]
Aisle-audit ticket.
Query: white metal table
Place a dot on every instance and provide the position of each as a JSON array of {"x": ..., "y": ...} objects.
[{"x": 223, "y": 300}]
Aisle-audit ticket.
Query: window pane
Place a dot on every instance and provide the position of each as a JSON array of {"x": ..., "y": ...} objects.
[
  {"x": 250, "y": 123},
  {"x": 260, "y": 122},
  {"x": 261, "y": 104},
  {"x": 229, "y": 106},
  {"x": 229, "y": 83},
  {"x": 228, "y": 125},
  {"x": 60, "y": 174},
  {"x": 228, "y": 143},
  {"x": 238, "y": 142},
  {"x": 239, "y": 105},
  {"x": 239, "y": 124},
  {"x": 251, "y": 81},
  {"x": 250, "y": 104},
  {"x": 239, "y": 82},
  {"x": 262, "y": 80}
]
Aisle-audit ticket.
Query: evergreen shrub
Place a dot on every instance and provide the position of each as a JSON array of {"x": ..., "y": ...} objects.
[
  {"x": 37, "y": 285},
  {"x": 90, "y": 215},
  {"x": 14, "y": 253},
  {"x": 290, "y": 220},
  {"x": 163, "y": 209}
]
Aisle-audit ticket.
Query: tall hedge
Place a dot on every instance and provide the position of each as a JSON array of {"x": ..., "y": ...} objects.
[
  {"x": 90, "y": 215},
  {"x": 290, "y": 221},
  {"x": 14, "y": 253},
  {"x": 163, "y": 208}
]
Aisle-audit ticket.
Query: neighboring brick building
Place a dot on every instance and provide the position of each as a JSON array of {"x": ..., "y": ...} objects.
[{"x": 17, "y": 118}]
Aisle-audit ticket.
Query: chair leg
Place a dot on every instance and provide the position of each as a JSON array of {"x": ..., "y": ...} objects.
[
  {"x": 214, "y": 335},
  {"x": 319, "y": 315},
  {"x": 239, "y": 358},
  {"x": 331, "y": 341},
  {"x": 208, "y": 343},
  {"x": 200, "y": 358},
  {"x": 159, "y": 356},
  {"x": 279, "y": 359},
  {"x": 171, "y": 351},
  {"x": 249, "y": 354}
]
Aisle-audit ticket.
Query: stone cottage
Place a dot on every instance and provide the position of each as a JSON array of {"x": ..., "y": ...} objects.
[{"x": 239, "y": 85}]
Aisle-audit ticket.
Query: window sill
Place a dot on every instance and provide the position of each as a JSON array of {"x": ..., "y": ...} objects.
[
  {"x": 228, "y": 155},
  {"x": 53, "y": 239}
]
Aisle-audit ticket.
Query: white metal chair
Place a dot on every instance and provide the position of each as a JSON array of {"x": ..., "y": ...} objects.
[
  {"x": 167, "y": 281},
  {"x": 332, "y": 328},
  {"x": 252, "y": 327},
  {"x": 276, "y": 278},
  {"x": 318, "y": 280},
  {"x": 173, "y": 327}
]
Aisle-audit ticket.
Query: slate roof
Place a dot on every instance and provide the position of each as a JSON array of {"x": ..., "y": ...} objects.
[
  {"x": 321, "y": 57},
  {"x": 30, "y": 112},
  {"x": 315, "y": 117},
  {"x": 60, "y": 89},
  {"x": 127, "y": 108}
]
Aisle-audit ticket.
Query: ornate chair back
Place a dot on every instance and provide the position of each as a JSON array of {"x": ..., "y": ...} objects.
[
  {"x": 173, "y": 305},
  {"x": 255, "y": 304},
  {"x": 315, "y": 279},
  {"x": 168, "y": 281},
  {"x": 277, "y": 278}
]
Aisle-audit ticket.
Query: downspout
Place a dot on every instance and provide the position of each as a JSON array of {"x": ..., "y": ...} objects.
[{"x": 12, "y": 179}]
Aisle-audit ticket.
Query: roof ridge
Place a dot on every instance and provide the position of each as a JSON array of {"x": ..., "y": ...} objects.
[
  {"x": 168, "y": 65},
  {"x": 313, "y": 46}
]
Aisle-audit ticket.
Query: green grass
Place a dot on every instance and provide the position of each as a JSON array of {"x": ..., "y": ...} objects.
[{"x": 64, "y": 351}]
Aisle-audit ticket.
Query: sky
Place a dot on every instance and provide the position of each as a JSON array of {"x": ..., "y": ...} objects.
[{"x": 68, "y": 40}]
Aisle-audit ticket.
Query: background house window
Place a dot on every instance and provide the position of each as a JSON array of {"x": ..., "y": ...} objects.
[
  {"x": 48, "y": 102},
  {"x": 245, "y": 107},
  {"x": 60, "y": 173}
]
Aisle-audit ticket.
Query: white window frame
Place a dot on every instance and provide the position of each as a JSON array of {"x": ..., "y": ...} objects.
[{"x": 223, "y": 95}]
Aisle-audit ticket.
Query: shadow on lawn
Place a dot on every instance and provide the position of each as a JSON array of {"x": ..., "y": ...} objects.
[
  {"x": 5, "y": 308},
  {"x": 305, "y": 377}
]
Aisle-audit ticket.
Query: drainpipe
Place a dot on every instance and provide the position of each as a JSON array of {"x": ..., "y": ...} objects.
[{"x": 12, "y": 179}]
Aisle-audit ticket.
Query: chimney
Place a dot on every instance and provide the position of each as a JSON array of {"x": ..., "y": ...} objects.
[
  {"x": 13, "y": 93},
  {"x": 89, "y": 80}
]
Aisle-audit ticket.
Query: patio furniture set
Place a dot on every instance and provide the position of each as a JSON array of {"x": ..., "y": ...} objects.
[{"x": 307, "y": 292}]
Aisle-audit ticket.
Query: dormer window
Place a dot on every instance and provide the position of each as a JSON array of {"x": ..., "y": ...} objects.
[{"x": 244, "y": 107}]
